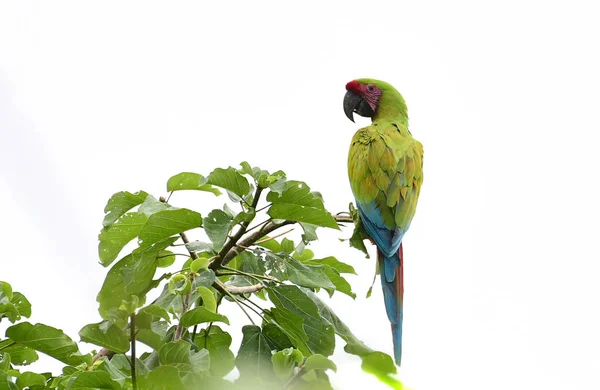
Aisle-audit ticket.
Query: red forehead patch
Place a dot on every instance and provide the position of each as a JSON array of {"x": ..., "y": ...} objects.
[{"x": 353, "y": 86}]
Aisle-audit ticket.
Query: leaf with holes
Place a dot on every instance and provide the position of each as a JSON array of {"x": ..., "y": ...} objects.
[
  {"x": 217, "y": 225},
  {"x": 117, "y": 235}
]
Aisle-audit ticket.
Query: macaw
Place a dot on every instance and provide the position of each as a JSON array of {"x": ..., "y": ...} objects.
[{"x": 385, "y": 167}]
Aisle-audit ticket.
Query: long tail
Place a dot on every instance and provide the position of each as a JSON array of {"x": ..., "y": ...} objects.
[{"x": 392, "y": 281}]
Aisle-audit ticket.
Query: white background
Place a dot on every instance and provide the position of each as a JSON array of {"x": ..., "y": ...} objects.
[{"x": 501, "y": 261}]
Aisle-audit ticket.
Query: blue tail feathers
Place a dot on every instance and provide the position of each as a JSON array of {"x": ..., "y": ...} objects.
[{"x": 392, "y": 282}]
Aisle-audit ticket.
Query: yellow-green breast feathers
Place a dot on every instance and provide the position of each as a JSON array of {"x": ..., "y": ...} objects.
[{"x": 385, "y": 165}]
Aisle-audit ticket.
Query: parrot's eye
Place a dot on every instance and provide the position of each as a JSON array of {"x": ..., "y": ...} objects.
[{"x": 370, "y": 87}]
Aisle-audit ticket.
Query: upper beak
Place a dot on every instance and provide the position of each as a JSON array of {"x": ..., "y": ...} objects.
[{"x": 353, "y": 102}]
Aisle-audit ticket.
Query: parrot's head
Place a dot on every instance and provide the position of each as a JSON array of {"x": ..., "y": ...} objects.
[{"x": 370, "y": 97}]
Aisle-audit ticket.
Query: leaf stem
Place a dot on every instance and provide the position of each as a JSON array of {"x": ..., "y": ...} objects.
[
  {"x": 273, "y": 237},
  {"x": 132, "y": 362},
  {"x": 258, "y": 277},
  {"x": 186, "y": 298},
  {"x": 259, "y": 225}
]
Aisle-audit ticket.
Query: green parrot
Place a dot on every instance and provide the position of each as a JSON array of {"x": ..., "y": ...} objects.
[{"x": 385, "y": 167}]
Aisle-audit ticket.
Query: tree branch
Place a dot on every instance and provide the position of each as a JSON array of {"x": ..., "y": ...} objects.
[
  {"x": 251, "y": 239},
  {"x": 239, "y": 290},
  {"x": 216, "y": 264}
]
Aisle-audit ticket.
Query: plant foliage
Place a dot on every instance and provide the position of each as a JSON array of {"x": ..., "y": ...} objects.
[{"x": 246, "y": 261}]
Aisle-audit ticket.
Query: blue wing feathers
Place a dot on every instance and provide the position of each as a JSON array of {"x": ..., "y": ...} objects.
[{"x": 388, "y": 243}]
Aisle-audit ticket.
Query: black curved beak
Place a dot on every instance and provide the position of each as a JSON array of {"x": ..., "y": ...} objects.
[{"x": 353, "y": 102}]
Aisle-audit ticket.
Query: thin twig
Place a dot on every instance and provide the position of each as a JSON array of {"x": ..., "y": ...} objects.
[
  {"x": 186, "y": 298},
  {"x": 172, "y": 254},
  {"x": 259, "y": 225},
  {"x": 132, "y": 362},
  {"x": 258, "y": 277},
  {"x": 273, "y": 237}
]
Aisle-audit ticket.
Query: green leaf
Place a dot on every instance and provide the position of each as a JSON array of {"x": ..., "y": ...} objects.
[
  {"x": 20, "y": 355},
  {"x": 340, "y": 283},
  {"x": 180, "y": 284},
  {"x": 120, "y": 203},
  {"x": 334, "y": 263},
  {"x": 381, "y": 365},
  {"x": 48, "y": 340},
  {"x": 132, "y": 275},
  {"x": 5, "y": 362},
  {"x": 165, "y": 259},
  {"x": 321, "y": 337},
  {"x": 190, "y": 181},
  {"x": 180, "y": 355},
  {"x": 119, "y": 368},
  {"x": 6, "y": 292},
  {"x": 357, "y": 239},
  {"x": 310, "y": 232},
  {"x": 297, "y": 203},
  {"x": 7, "y": 308},
  {"x": 107, "y": 335},
  {"x": 154, "y": 312},
  {"x": 217, "y": 225},
  {"x": 303, "y": 254},
  {"x": 162, "y": 378},
  {"x": 200, "y": 315},
  {"x": 287, "y": 246},
  {"x": 208, "y": 298},
  {"x": 276, "y": 338},
  {"x": 374, "y": 362},
  {"x": 200, "y": 263},
  {"x": 151, "y": 325},
  {"x": 21, "y": 304},
  {"x": 199, "y": 246},
  {"x": 152, "y": 205},
  {"x": 30, "y": 379},
  {"x": 13, "y": 305},
  {"x": 285, "y": 361},
  {"x": 6, "y": 383},
  {"x": 319, "y": 362},
  {"x": 217, "y": 342},
  {"x": 231, "y": 180},
  {"x": 166, "y": 223},
  {"x": 114, "y": 237},
  {"x": 293, "y": 326},
  {"x": 254, "y": 356},
  {"x": 87, "y": 380},
  {"x": 285, "y": 267}
]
